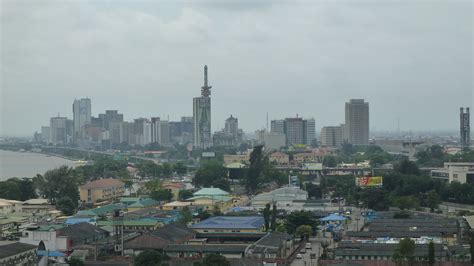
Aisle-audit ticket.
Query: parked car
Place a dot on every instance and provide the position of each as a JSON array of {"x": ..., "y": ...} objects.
[
  {"x": 303, "y": 251},
  {"x": 308, "y": 246},
  {"x": 299, "y": 256}
]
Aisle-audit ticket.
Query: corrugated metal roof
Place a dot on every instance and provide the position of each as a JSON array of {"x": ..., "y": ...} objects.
[{"x": 231, "y": 222}]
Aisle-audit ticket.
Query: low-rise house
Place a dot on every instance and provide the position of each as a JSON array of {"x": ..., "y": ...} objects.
[
  {"x": 60, "y": 237},
  {"x": 143, "y": 203},
  {"x": 175, "y": 205},
  {"x": 160, "y": 239},
  {"x": 455, "y": 172},
  {"x": 10, "y": 206},
  {"x": 223, "y": 228},
  {"x": 272, "y": 245},
  {"x": 370, "y": 251},
  {"x": 9, "y": 224},
  {"x": 282, "y": 197},
  {"x": 279, "y": 158},
  {"x": 239, "y": 158},
  {"x": 208, "y": 198},
  {"x": 135, "y": 225},
  {"x": 37, "y": 207},
  {"x": 200, "y": 251},
  {"x": 107, "y": 210},
  {"x": 107, "y": 189},
  {"x": 174, "y": 188},
  {"x": 308, "y": 157},
  {"x": 14, "y": 253}
]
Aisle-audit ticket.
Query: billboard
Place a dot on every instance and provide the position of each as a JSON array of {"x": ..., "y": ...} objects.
[
  {"x": 313, "y": 166},
  {"x": 208, "y": 154},
  {"x": 369, "y": 181}
]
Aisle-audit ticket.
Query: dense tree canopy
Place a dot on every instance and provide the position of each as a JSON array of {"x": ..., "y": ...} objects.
[
  {"x": 17, "y": 189},
  {"x": 210, "y": 173},
  {"x": 58, "y": 183},
  {"x": 150, "y": 257}
]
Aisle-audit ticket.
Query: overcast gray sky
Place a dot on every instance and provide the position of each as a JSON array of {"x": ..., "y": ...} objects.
[{"x": 411, "y": 60}]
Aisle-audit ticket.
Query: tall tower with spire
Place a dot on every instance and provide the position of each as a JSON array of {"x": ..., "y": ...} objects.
[{"x": 202, "y": 116}]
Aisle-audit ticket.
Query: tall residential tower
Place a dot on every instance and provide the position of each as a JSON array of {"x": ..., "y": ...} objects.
[
  {"x": 81, "y": 116},
  {"x": 357, "y": 122},
  {"x": 465, "y": 128},
  {"x": 202, "y": 116}
]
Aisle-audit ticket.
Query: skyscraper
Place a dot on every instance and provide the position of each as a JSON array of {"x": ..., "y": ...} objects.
[
  {"x": 465, "y": 128},
  {"x": 231, "y": 126},
  {"x": 331, "y": 136},
  {"x": 82, "y": 113},
  {"x": 357, "y": 122},
  {"x": 297, "y": 130},
  {"x": 58, "y": 131},
  {"x": 202, "y": 116}
]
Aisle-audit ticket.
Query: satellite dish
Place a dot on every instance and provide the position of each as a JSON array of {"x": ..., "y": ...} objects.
[{"x": 189, "y": 147}]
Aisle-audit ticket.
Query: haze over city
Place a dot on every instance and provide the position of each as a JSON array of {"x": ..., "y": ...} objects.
[{"x": 410, "y": 61}]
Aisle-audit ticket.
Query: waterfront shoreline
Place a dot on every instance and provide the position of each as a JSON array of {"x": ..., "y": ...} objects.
[{"x": 29, "y": 164}]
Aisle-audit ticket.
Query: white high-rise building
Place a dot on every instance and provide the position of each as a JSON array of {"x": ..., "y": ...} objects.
[
  {"x": 160, "y": 131},
  {"x": 82, "y": 113},
  {"x": 202, "y": 116},
  {"x": 357, "y": 122}
]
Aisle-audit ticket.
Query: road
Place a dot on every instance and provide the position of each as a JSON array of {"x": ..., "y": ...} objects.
[{"x": 306, "y": 260}]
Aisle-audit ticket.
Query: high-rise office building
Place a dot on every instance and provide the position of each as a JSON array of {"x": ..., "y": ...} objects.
[
  {"x": 331, "y": 136},
  {"x": 58, "y": 131},
  {"x": 45, "y": 134},
  {"x": 160, "y": 131},
  {"x": 297, "y": 130},
  {"x": 465, "y": 132},
  {"x": 278, "y": 126},
  {"x": 82, "y": 113},
  {"x": 310, "y": 131},
  {"x": 357, "y": 122},
  {"x": 231, "y": 126},
  {"x": 294, "y": 131},
  {"x": 202, "y": 116},
  {"x": 108, "y": 117}
]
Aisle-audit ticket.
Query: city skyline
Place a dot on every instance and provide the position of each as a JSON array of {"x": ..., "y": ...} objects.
[{"x": 150, "y": 66}]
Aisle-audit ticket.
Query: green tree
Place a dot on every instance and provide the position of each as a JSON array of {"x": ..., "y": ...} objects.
[
  {"x": 66, "y": 205},
  {"x": 161, "y": 195},
  {"x": 273, "y": 223},
  {"x": 255, "y": 169},
  {"x": 266, "y": 216},
  {"x": 10, "y": 190},
  {"x": 215, "y": 260},
  {"x": 314, "y": 191},
  {"x": 185, "y": 194},
  {"x": 57, "y": 183},
  {"x": 433, "y": 200},
  {"x": 209, "y": 173},
  {"x": 431, "y": 253},
  {"x": 304, "y": 231},
  {"x": 329, "y": 161},
  {"x": 471, "y": 247},
  {"x": 149, "y": 257},
  {"x": 404, "y": 251},
  {"x": 76, "y": 262},
  {"x": 298, "y": 218},
  {"x": 407, "y": 167},
  {"x": 180, "y": 168},
  {"x": 406, "y": 202},
  {"x": 186, "y": 215}
]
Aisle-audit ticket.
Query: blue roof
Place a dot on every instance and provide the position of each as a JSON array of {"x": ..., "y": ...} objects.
[
  {"x": 231, "y": 222},
  {"x": 143, "y": 203},
  {"x": 74, "y": 220},
  {"x": 51, "y": 253},
  {"x": 333, "y": 217}
]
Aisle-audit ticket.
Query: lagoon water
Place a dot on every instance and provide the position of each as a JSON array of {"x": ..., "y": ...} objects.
[{"x": 28, "y": 164}]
